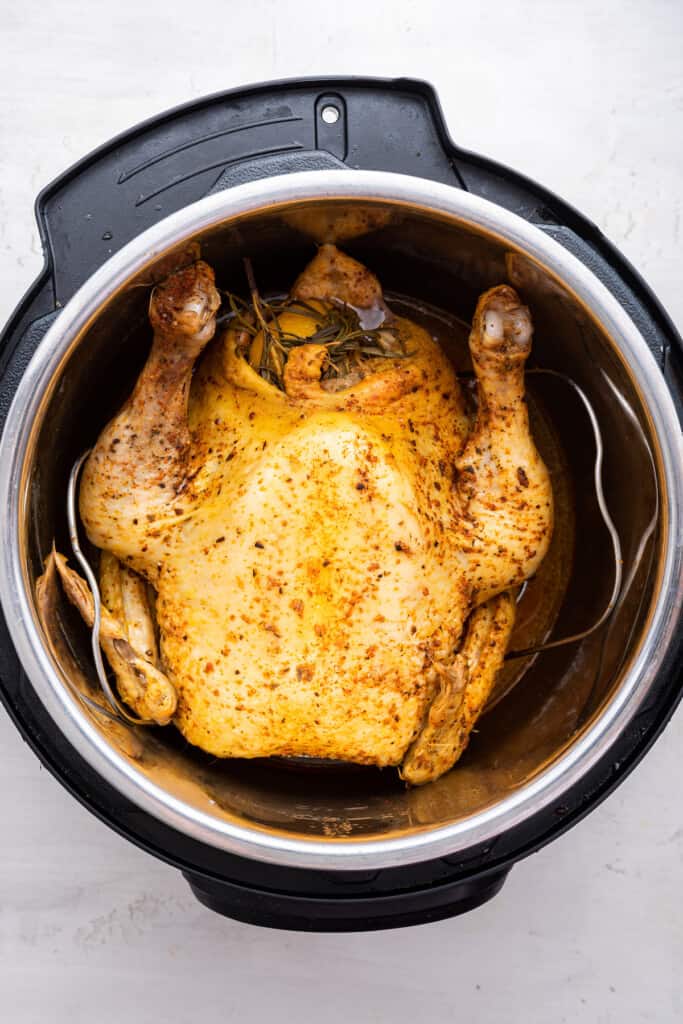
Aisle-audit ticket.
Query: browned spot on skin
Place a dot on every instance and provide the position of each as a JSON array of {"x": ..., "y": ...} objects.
[
  {"x": 319, "y": 629},
  {"x": 400, "y": 545},
  {"x": 304, "y": 673},
  {"x": 522, "y": 477},
  {"x": 209, "y": 667},
  {"x": 297, "y": 606}
]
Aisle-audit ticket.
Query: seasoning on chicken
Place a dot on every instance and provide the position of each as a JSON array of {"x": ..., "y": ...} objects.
[{"x": 333, "y": 543}]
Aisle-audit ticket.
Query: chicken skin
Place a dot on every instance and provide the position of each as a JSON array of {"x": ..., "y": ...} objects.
[{"x": 332, "y": 553}]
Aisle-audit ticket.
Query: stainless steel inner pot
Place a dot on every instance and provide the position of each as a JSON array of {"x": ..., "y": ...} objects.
[{"x": 442, "y": 246}]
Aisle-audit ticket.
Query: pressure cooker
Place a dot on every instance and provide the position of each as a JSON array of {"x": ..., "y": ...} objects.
[{"x": 326, "y": 846}]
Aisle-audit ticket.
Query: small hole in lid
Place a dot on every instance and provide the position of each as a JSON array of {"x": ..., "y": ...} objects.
[{"x": 330, "y": 114}]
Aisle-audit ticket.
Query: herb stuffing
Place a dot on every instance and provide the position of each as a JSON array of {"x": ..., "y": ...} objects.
[{"x": 267, "y": 344}]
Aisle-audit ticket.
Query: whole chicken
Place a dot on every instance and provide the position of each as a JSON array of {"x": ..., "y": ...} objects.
[{"x": 326, "y": 544}]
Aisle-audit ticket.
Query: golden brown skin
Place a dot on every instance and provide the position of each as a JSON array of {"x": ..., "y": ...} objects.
[
  {"x": 503, "y": 485},
  {"x": 139, "y": 681},
  {"x": 317, "y": 553},
  {"x": 332, "y": 274},
  {"x": 142, "y": 460},
  {"x": 462, "y": 691}
]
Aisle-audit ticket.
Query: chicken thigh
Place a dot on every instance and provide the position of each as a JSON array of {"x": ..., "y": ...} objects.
[{"x": 334, "y": 554}]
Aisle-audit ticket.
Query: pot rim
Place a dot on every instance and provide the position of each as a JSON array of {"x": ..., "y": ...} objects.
[{"x": 18, "y": 443}]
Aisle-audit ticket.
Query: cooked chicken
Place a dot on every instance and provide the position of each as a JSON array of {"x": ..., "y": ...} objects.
[{"x": 334, "y": 547}]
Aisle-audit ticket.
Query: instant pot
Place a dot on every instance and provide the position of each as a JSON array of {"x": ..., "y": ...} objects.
[{"x": 267, "y": 172}]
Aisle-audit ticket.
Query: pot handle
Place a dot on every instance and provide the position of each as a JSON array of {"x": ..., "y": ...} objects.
[
  {"x": 17, "y": 349},
  {"x": 364, "y": 910}
]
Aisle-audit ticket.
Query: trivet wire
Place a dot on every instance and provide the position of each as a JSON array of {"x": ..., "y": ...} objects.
[{"x": 118, "y": 708}]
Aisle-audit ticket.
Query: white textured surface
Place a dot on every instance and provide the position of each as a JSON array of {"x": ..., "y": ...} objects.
[{"x": 587, "y": 98}]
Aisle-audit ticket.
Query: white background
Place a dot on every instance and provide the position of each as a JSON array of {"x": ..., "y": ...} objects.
[{"x": 588, "y": 99}]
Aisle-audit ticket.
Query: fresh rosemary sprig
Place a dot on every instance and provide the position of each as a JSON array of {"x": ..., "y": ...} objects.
[{"x": 267, "y": 345}]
